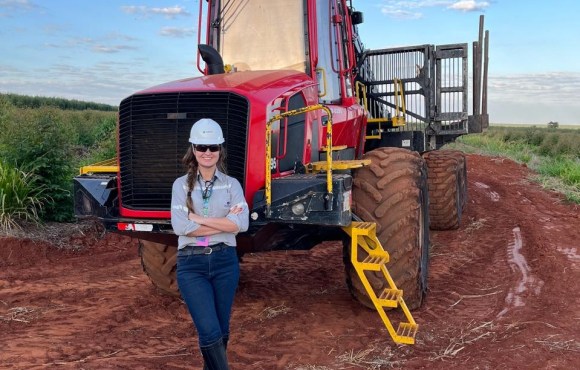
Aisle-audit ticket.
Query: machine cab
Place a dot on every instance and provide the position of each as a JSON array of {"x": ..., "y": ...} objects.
[{"x": 310, "y": 36}]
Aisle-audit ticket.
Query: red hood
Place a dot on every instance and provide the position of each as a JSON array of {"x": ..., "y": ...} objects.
[{"x": 250, "y": 83}]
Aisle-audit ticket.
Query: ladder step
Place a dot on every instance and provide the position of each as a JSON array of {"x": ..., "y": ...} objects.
[
  {"x": 366, "y": 226},
  {"x": 390, "y": 297},
  {"x": 374, "y": 263},
  {"x": 406, "y": 332},
  {"x": 363, "y": 236}
]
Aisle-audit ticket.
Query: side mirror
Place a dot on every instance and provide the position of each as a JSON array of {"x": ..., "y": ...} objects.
[{"x": 356, "y": 18}]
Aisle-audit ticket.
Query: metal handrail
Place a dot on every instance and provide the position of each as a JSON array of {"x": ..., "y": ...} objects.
[{"x": 294, "y": 112}]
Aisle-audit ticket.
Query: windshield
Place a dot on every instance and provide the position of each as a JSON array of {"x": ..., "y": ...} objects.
[{"x": 262, "y": 35}]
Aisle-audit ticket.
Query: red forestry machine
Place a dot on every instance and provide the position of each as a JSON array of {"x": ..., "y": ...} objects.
[{"x": 330, "y": 141}]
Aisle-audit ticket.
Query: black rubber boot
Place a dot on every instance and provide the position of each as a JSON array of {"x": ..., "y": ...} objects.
[
  {"x": 214, "y": 356},
  {"x": 225, "y": 339}
]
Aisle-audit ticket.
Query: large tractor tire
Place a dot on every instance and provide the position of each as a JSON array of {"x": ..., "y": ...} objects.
[
  {"x": 159, "y": 262},
  {"x": 392, "y": 192},
  {"x": 447, "y": 188},
  {"x": 460, "y": 156}
]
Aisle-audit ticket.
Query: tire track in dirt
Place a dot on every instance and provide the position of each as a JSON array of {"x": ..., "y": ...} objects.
[
  {"x": 519, "y": 266},
  {"x": 497, "y": 268}
]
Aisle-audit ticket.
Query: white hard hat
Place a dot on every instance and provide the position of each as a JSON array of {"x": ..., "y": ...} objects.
[{"x": 206, "y": 131}]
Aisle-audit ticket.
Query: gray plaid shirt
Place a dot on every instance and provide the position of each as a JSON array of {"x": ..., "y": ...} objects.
[{"x": 226, "y": 193}]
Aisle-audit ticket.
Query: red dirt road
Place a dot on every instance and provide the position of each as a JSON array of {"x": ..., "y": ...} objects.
[{"x": 503, "y": 294}]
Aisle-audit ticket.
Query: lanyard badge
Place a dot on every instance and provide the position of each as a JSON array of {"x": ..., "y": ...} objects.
[{"x": 206, "y": 191}]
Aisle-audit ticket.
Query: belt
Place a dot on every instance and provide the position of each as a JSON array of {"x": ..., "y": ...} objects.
[{"x": 188, "y": 250}]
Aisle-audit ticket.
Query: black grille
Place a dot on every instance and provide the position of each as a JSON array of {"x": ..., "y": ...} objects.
[{"x": 154, "y": 135}]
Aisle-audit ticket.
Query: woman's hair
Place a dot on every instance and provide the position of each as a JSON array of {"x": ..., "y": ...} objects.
[{"x": 191, "y": 165}]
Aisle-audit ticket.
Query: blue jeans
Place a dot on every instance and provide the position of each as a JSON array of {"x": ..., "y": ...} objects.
[{"x": 208, "y": 284}]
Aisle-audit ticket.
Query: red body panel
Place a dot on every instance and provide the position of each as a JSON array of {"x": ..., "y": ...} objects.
[
  {"x": 261, "y": 89},
  {"x": 347, "y": 123}
]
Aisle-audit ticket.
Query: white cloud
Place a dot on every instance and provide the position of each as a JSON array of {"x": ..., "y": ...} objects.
[
  {"x": 106, "y": 44},
  {"x": 535, "y": 98},
  {"x": 549, "y": 87},
  {"x": 420, "y": 3},
  {"x": 176, "y": 32},
  {"x": 119, "y": 36},
  {"x": 411, "y": 9},
  {"x": 539, "y": 113},
  {"x": 17, "y": 4},
  {"x": 469, "y": 5},
  {"x": 105, "y": 82},
  {"x": 8, "y": 69},
  {"x": 400, "y": 14},
  {"x": 8, "y": 7},
  {"x": 109, "y": 49},
  {"x": 169, "y": 12}
]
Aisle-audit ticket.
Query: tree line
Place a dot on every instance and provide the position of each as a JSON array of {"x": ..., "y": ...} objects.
[{"x": 26, "y": 101}]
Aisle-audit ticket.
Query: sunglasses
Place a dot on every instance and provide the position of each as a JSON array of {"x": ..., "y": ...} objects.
[{"x": 203, "y": 148}]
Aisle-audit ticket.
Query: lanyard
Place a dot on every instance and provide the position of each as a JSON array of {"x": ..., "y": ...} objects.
[{"x": 206, "y": 192}]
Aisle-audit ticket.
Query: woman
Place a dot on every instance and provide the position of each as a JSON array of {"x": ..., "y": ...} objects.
[{"x": 208, "y": 209}]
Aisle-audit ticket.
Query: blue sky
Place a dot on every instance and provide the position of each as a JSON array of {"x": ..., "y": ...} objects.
[{"x": 105, "y": 50}]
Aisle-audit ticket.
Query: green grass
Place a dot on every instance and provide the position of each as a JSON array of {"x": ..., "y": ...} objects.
[
  {"x": 21, "y": 198},
  {"x": 563, "y": 168},
  {"x": 553, "y": 153},
  {"x": 52, "y": 143},
  {"x": 499, "y": 124}
]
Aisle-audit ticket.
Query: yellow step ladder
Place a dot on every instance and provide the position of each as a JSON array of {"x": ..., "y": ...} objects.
[{"x": 363, "y": 235}]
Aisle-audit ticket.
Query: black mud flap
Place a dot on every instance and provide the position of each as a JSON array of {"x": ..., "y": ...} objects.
[{"x": 95, "y": 196}]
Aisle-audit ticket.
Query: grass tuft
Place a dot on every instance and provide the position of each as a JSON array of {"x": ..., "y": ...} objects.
[
  {"x": 271, "y": 312},
  {"x": 20, "y": 314},
  {"x": 466, "y": 336},
  {"x": 559, "y": 345},
  {"x": 371, "y": 358},
  {"x": 21, "y": 198}
]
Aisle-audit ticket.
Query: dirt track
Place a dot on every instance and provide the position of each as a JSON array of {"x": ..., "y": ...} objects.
[{"x": 503, "y": 294}]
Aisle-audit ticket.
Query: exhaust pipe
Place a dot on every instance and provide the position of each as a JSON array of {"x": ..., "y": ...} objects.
[{"x": 212, "y": 59}]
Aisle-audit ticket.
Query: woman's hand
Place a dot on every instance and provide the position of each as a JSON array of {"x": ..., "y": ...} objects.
[
  {"x": 195, "y": 218},
  {"x": 217, "y": 224},
  {"x": 236, "y": 209}
]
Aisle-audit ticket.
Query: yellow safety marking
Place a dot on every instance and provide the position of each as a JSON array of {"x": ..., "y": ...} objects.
[
  {"x": 335, "y": 148},
  {"x": 378, "y": 121},
  {"x": 338, "y": 165},
  {"x": 107, "y": 166},
  {"x": 363, "y": 235},
  {"x": 278, "y": 117},
  {"x": 400, "y": 110},
  {"x": 363, "y": 88}
]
